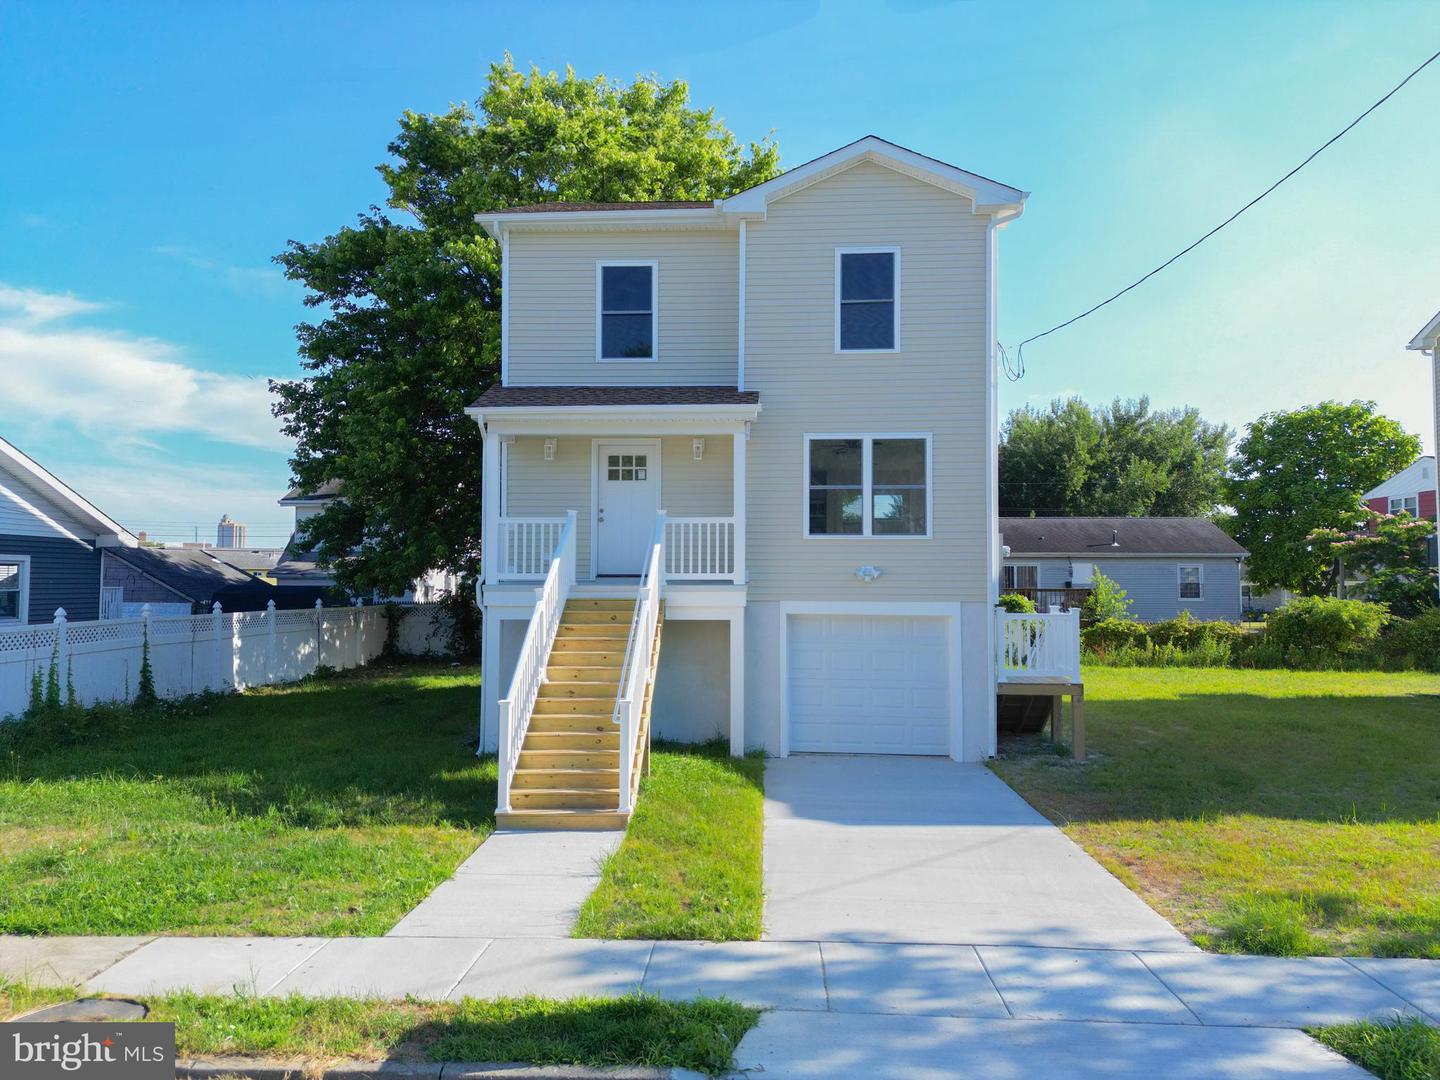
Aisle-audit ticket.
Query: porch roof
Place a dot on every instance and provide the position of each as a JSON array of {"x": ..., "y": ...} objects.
[{"x": 569, "y": 397}]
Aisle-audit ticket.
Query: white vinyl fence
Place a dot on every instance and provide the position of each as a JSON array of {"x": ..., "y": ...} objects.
[{"x": 190, "y": 654}]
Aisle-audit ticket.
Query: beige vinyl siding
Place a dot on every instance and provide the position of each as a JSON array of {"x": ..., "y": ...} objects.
[
  {"x": 935, "y": 384},
  {"x": 688, "y": 488},
  {"x": 552, "y": 307}
]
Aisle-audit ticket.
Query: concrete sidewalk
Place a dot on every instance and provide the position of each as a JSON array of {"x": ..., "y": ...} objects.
[
  {"x": 876, "y": 978},
  {"x": 925, "y": 849}
]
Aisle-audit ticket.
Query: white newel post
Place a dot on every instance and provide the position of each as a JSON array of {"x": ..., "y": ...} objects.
[
  {"x": 215, "y": 612},
  {"x": 272, "y": 659}
]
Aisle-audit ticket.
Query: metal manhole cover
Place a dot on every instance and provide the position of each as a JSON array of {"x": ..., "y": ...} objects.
[{"x": 86, "y": 1011}]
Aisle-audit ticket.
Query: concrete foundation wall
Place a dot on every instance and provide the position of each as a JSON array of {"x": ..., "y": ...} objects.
[{"x": 692, "y": 686}]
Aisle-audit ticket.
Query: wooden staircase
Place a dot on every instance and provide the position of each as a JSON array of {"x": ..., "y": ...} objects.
[{"x": 568, "y": 773}]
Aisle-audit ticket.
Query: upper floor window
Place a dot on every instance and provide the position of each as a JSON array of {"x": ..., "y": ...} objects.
[
  {"x": 867, "y": 485},
  {"x": 626, "y": 323},
  {"x": 867, "y": 299},
  {"x": 1192, "y": 581},
  {"x": 1406, "y": 504},
  {"x": 14, "y": 580}
]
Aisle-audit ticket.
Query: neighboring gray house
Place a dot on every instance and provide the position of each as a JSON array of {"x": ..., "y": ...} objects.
[
  {"x": 51, "y": 541},
  {"x": 1165, "y": 565}
]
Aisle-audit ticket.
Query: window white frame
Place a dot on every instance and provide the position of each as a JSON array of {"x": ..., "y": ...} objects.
[
  {"x": 867, "y": 250},
  {"x": 867, "y": 440},
  {"x": 1408, "y": 504},
  {"x": 22, "y": 561},
  {"x": 1014, "y": 568},
  {"x": 654, "y": 357},
  {"x": 1199, "y": 569}
]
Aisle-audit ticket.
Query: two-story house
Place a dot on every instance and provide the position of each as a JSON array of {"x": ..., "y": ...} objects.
[{"x": 769, "y": 421}]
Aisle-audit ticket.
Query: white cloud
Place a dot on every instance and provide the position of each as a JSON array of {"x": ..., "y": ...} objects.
[
  {"x": 245, "y": 280},
  {"x": 114, "y": 385}
]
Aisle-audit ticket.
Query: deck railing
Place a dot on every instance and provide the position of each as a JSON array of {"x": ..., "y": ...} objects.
[
  {"x": 1054, "y": 599},
  {"x": 1039, "y": 647},
  {"x": 527, "y": 546},
  {"x": 701, "y": 548},
  {"x": 635, "y": 672},
  {"x": 515, "y": 708}
]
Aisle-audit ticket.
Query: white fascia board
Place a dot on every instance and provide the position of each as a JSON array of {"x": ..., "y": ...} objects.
[
  {"x": 33, "y": 473},
  {"x": 988, "y": 196},
  {"x": 697, "y": 217},
  {"x": 1429, "y": 338},
  {"x": 1030, "y": 556}
]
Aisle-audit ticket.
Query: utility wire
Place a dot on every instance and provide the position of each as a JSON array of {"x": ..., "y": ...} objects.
[{"x": 1016, "y": 371}]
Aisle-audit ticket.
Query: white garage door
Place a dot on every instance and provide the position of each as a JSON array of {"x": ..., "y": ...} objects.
[{"x": 869, "y": 684}]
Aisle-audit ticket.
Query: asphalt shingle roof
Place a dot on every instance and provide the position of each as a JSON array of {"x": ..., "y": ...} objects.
[{"x": 1117, "y": 536}]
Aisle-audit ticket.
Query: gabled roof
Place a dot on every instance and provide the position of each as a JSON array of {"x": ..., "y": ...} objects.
[
  {"x": 191, "y": 572},
  {"x": 985, "y": 195},
  {"x": 325, "y": 491},
  {"x": 1419, "y": 475},
  {"x": 31, "y": 472},
  {"x": 1098, "y": 537},
  {"x": 1429, "y": 338}
]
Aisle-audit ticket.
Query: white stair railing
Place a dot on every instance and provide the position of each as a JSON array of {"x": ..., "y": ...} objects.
[
  {"x": 699, "y": 547},
  {"x": 635, "y": 671},
  {"x": 1032, "y": 647},
  {"x": 516, "y": 707},
  {"x": 527, "y": 546}
]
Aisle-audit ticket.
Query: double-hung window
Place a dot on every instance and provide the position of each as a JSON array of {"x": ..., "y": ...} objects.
[
  {"x": 1192, "y": 582},
  {"x": 1405, "y": 504},
  {"x": 626, "y": 311},
  {"x": 867, "y": 485},
  {"x": 867, "y": 299},
  {"x": 1020, "y": 576},
  {"x": 14, "y": 587}
]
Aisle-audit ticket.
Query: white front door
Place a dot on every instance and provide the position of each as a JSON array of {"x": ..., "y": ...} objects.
[{"x": 628, "y": 500}]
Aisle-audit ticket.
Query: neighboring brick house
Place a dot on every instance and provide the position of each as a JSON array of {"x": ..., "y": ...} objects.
[{"x": 1410, "y": 491}]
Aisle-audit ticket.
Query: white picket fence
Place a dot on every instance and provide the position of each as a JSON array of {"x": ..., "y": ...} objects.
[{"x": 190, "y": 654}]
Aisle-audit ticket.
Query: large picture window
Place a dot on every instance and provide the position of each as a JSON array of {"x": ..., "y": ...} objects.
[
  {"x": 625, "y": 318},
  {"x": 867, "y": 485},
  {"x": 867, "y": 299}
]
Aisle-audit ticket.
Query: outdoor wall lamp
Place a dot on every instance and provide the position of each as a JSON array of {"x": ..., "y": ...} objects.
[
  {"x": 699, "y": 448},
  {"x": 550, "y": 449},
  {"x": 868, "y": 574}
]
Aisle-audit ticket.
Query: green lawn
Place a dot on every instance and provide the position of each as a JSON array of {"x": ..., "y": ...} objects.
[
  {"x": 1261, "y": 811},
  {"x": 635, "y": 1030},
  {"x": 1404, "y": 1050},
  {"x": 689, "y": 867},
  {"x": 330, "y": 807}
]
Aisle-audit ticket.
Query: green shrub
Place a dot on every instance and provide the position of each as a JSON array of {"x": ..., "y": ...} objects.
[
  {"x": 1016, "y": 604},
  {"x": 1416, "y": 642},
  {"x": 1108, "y": 635},
  {"x": 1106, "y": 600},
  {"x": 1148, "y": 654},
  {"x": 1325, "y": 625}
]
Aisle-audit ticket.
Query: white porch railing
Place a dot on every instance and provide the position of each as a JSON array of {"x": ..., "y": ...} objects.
[
  {"x": 528, "y": 546},
  {"x": 701, "y": 547},
  {"x": 1037, "y": 647},
  {"x": 635, "y": 672},
  {"x": 515, "y": 707}
]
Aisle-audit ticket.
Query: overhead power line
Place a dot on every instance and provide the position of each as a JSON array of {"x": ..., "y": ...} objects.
[{"x": 1015, "y": 370}]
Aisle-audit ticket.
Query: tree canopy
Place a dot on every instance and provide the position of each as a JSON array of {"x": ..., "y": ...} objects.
[
  {"x": 411, "y": 292},
  {"x": 1390, "y": 556},
  {"x": 1295, "y": 473},
  {"x": 1121, "y": 459}
]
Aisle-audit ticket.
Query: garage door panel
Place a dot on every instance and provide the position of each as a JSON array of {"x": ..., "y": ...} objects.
[{"x": 869, "y": 684}]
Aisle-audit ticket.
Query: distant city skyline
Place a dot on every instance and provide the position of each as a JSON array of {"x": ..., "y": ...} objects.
[{"x": 154, "y": 173}]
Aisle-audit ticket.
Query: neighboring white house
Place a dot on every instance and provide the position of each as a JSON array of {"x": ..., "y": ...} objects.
[
  {"x": 802, "y": 378},
  {"x": 1428, "y": 341}
]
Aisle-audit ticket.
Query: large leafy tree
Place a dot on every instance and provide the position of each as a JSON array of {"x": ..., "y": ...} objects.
[
  {"x": 411, "y": 295},
  {"x": 1120, "y": 459},
  {"x": 1298, "y": 472},
  {"x": 1390, "y": 556}
]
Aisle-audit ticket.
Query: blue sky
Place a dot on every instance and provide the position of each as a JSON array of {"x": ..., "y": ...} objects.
[{"x": 157, "y": 155}]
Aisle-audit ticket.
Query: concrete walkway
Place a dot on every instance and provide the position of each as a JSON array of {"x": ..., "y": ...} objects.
[
  {"x": 517, "y": 884},
  {"x": 909, "y": 849}
]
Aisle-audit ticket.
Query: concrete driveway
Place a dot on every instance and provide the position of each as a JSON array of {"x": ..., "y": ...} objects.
[{"x": 909, "y": 849}]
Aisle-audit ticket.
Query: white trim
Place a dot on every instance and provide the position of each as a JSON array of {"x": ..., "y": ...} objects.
[
  {"x": 23, "y": 611},
  {"x": 682, "y": 218},
  {"x": 504, "y": 307},
  {"x": 995, "y": 550},
  {"x": 955, "y": 681},
  {"x": 653, "y": 448},
  {"x": 867, "y": 439},
  {"x": 1428, "y": 338},
  {"x": 740, "y": 357},
  {"x": 868, "y": 249},
  {"x": 654, "y": 265},
  {"x": 108, "y": 532},
  {"x": 1180, "y": 569},
  {"x": 549, "y": 416}
]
